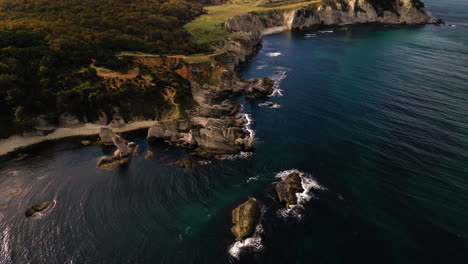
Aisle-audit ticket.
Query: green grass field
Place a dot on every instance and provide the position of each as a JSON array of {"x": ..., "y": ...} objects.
[{"x": 206, "y": 28}]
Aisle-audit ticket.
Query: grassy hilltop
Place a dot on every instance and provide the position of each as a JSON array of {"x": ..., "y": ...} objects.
[{"x": 206, "y": 28}]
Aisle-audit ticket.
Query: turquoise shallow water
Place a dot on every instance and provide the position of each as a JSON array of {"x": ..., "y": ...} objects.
[{"x": 377, "y": 116}]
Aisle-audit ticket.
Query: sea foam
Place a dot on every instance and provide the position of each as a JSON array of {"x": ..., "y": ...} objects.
[
  {"x": 274, "y": 54},
  {"x": 270, "y": 105},
  {"x": 251, "y": 244},
  {"x": 308, "y": 184},
  {"x": 5, "y": 254},
  {"x": 277, "y": 78}
]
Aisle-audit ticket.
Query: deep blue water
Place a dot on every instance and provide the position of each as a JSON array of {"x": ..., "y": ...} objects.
[{"x": 376, "y": 116}]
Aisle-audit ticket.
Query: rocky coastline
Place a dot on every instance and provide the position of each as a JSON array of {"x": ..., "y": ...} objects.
[{"x": 213, "y": 126}]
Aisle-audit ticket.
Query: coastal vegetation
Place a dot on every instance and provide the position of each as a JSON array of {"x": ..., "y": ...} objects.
[
  {"x": 206, "y": 28},
  {"x": 47, "y": 47}
]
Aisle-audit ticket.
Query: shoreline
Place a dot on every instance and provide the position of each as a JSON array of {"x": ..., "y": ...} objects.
[{"x": 17, "y": 143}]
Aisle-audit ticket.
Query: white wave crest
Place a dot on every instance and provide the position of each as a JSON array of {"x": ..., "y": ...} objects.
[
  {"x": 326, "y": 31},
  {"x": 248, "y": 123},
  {"x": 40, "y": 215},
  {"x": 274, "y": 54},
  {"x": 204, "y": 162},
  {"x": 308, "y": 184},
  {"x": 277, "y": 78},
  {"x": 252, "y": 244},
  {"x": 5, "y": 254},
  {"x": 260, "y": 67},
  {"x": 270, "y": 105},
  {"x": 252, "y": 178},
  {"x": 240, "y": 155}
]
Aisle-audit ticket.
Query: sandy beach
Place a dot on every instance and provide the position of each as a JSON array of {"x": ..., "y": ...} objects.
[{"x": 15, "y": 143}]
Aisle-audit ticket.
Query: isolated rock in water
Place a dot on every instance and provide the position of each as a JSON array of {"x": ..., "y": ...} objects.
[
  {"x": 258, "y": 88},
  {"x": 86, "y": 142},
  {"x": 38, "y": 208},
  {"x": 121, "y": 145},
  {"x": 287, "y": 189},
  {"x": 245, "y": 218},
  {"x": 149, "y": 154},
  {"x": 121, "y": 156},
  {"x": 106, "y": 135},
  {"x": 185, "y": 163}
]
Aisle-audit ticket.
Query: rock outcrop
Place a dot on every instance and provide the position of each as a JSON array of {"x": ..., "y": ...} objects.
[
  {"x": 213, "y": 130},
  {"x": 149, "y": 154},
  {"x": 245, "y": 217},
  {"x": 174, "y": 132},
  {"x": 249, "y": 28},
  {"x": 288, "y": 188},
  {"x": 125, "y": 151},
  {"x": 259, "y": 88},
  {"x": 185, "y": 163},
  {"x": 211, "y": 127},
  {"x": 106, "y": 135},
  {"x": 39, "y": 208}
]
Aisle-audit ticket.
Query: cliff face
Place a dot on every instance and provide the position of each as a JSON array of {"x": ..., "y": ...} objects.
[
  {"x": 248, "y": 28},
  {"x": 220, "y": 129},
  {"x": 361, "y": 11}
]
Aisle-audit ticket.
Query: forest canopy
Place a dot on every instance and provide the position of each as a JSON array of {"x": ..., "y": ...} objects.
[{"x": 46, "y": 44}]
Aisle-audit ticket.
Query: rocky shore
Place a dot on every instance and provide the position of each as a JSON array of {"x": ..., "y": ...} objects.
[{"x": 213, "y": 125}]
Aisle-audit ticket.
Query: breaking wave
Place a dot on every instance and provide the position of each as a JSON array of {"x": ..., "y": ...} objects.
[
  {"x": 308, "y": 184},
  {"x": 252, "y": 179},
  {"x": 274, "y": 54},
  {"x": 277, "y": 77},
  {"x": 251, "y": 134},
  {"x": 251, "y": 244},
  {"x": 270, "y": 105},
  {"x": 240, "y": 155},
  {"x": 5, "y": 254}
]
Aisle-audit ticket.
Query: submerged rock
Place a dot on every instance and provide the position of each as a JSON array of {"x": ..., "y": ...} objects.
[
  {"x": 86, "y": 142},
  {"x": 185, "y": 163},
  {"x": 14, "y": 191},
  {"x": 38, "y": 208},
  {"x": 287, "y": 189},
  {"x": 245, "y": 218},
  {"x": 149, "y": 154},
  {"x": 21, "y": 156}
]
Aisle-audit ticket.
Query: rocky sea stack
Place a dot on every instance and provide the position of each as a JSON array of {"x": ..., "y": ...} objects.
[
  {"x": 125, "y": 151},
  {"x": 288, "y": 188},
  {"x": 245, "y": 217}
]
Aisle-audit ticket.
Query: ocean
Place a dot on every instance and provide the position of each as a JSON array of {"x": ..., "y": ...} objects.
[{"x": 375, "y": 118}]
